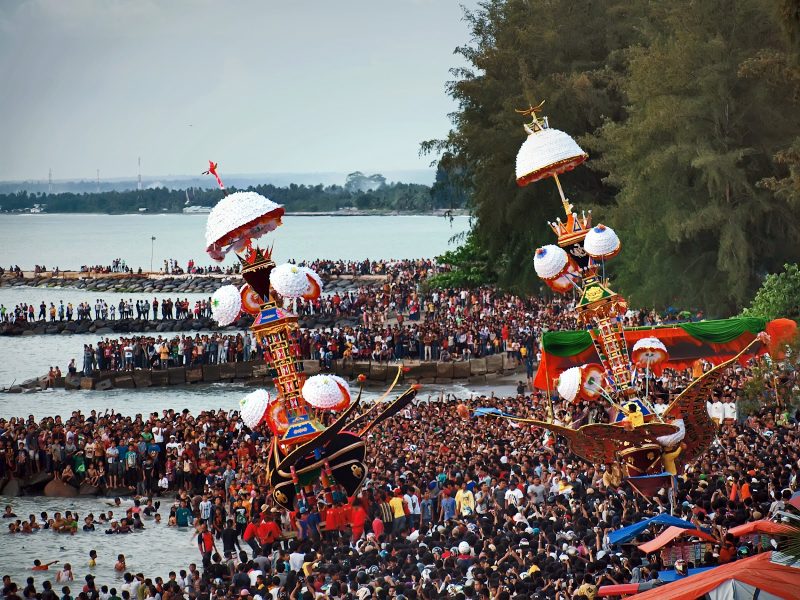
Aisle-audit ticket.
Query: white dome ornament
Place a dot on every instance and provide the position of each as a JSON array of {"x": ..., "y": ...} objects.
[
  {"x": 649, "y": 352},
  {"x": 569, "y": 383},
  {"x": 237, "y": 219},
  {"x": 550, "y": 262},
  {"x": 253, "y": 406},
  {"x": 292, "y": 281},
  {"x": 545, "y": 152},
  {"x": 226, "y": 304},
  {"x": 327, "y": 392},
  {"x": 602, "y": 243}
]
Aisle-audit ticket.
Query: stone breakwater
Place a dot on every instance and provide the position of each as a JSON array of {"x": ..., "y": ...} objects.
[
  {"x": 256, "y": 373},
  {"x": 128, "y": 284},
  {"x": 106, "y": 327},
  {"x": 157, "y": 284}
]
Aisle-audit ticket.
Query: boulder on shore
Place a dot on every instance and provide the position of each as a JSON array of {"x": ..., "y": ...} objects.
[
  {"x": 12, "y": 488},
  {"x": 88, "y": 489},
  {"x": 36, "y": 482},
  {"x": 59, "y": 489}
]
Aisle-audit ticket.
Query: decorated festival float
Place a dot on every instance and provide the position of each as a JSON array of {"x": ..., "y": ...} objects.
[
  {"x": 606, "y": 363},
  {"x": 306, "y": 456}
]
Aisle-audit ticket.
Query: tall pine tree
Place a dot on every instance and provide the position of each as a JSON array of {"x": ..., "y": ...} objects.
[{"x": 697, "y": 228}]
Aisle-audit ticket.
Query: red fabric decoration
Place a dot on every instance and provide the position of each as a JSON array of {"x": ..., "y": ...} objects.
[{"x": 781, "y": 332}]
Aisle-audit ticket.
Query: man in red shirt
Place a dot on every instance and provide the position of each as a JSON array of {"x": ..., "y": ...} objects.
[
  {"x": 250, "y": 535},
  {"x": 205, "y": 542},
  {"x": 268, "y": 531}
]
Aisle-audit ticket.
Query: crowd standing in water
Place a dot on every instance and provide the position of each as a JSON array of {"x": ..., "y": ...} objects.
[{"x": 452, "y": 507}]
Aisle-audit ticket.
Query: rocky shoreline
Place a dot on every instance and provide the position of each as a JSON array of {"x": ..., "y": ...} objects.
[{"x": 121, "y": 326}]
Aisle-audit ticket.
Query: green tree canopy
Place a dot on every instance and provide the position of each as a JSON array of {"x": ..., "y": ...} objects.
[{"x": 779, "y": 296}]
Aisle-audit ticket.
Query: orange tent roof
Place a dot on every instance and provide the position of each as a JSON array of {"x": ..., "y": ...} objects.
[
  {"x": 671, "y": 533},
  {"x": 762, "y": 526},
  {"x": 758, "y": 571}
]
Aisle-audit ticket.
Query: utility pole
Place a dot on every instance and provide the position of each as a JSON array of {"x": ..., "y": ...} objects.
[
  {"x": 98, "y": 181},
  {"x": 50, "y": 182},
  {"x": 139, "y": 184},
  {"x": 152, "y": 245}
]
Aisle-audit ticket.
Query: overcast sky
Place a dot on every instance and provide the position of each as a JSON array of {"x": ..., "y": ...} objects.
[{"x": 257, "y": 85}]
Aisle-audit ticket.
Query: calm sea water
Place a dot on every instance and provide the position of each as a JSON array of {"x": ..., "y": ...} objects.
[{"x": 69, "y": 241}]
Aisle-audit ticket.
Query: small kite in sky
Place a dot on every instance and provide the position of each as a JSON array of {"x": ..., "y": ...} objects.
[{"x": 212, "y": 170}]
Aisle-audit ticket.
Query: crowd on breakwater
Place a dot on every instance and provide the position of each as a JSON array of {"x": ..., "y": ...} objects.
[
  {"x": 452, "y": 507},
  {"x": 325, "y": 267}
]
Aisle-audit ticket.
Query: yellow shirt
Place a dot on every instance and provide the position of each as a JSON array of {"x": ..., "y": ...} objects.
[
  {"x": 465, "y": 502},
  {"x": 397, "y": 503},
  {"x": 636, "y": 418}
]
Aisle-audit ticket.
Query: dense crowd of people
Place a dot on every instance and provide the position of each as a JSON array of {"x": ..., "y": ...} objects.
[
  {"x": 161, "y": 352},
  {"x": 165, "y": 309},
  {"x": 452, "y": 507}
]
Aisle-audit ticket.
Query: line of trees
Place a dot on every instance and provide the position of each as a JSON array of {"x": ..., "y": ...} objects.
[
  {"x": 689, "y": 113},
  {"x": 403, "y": 197}
]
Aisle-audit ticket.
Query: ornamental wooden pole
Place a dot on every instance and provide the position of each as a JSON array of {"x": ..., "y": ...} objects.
[{"x": 564, "y": 202}]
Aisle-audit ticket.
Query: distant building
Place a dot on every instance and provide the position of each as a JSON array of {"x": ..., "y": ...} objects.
[{"x": 196, "y": 210}]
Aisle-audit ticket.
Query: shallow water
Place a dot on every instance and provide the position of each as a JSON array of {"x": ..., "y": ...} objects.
[{"x": 18, "y": 551}]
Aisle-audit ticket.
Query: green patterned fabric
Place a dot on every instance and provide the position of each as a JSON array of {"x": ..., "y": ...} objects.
[
  {"x": 566, "y": 343},
  {"x": 570, "y": 343},
  {"x": 724, "y": 330}
]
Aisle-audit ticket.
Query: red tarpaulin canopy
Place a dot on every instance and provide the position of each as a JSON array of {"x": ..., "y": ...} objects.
[
  {"x": 671, "y": 533},
  {"x": 762, "y": 526},
  {"x": 714, "y": 341},
  {"x": 757, "y": 572}
]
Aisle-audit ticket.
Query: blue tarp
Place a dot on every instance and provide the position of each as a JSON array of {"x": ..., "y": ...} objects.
[
  {"x": 670, "y": 576},
  {"x": 620, "y": 536}
]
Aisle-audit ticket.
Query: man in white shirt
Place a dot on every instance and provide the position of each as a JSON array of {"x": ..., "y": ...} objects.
[
  {"x": 296, "y": 560},
  {"x": 729, "y": 410},
  {"x": 158, "y": 434},
  {"x": 513, "y": 496},
  {"x": 717, "y": 411}
]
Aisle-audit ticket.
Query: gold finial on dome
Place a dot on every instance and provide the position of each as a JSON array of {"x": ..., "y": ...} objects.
[
  {"x": 546, "y": 152},
  {"x": 535, "y": 125}
]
